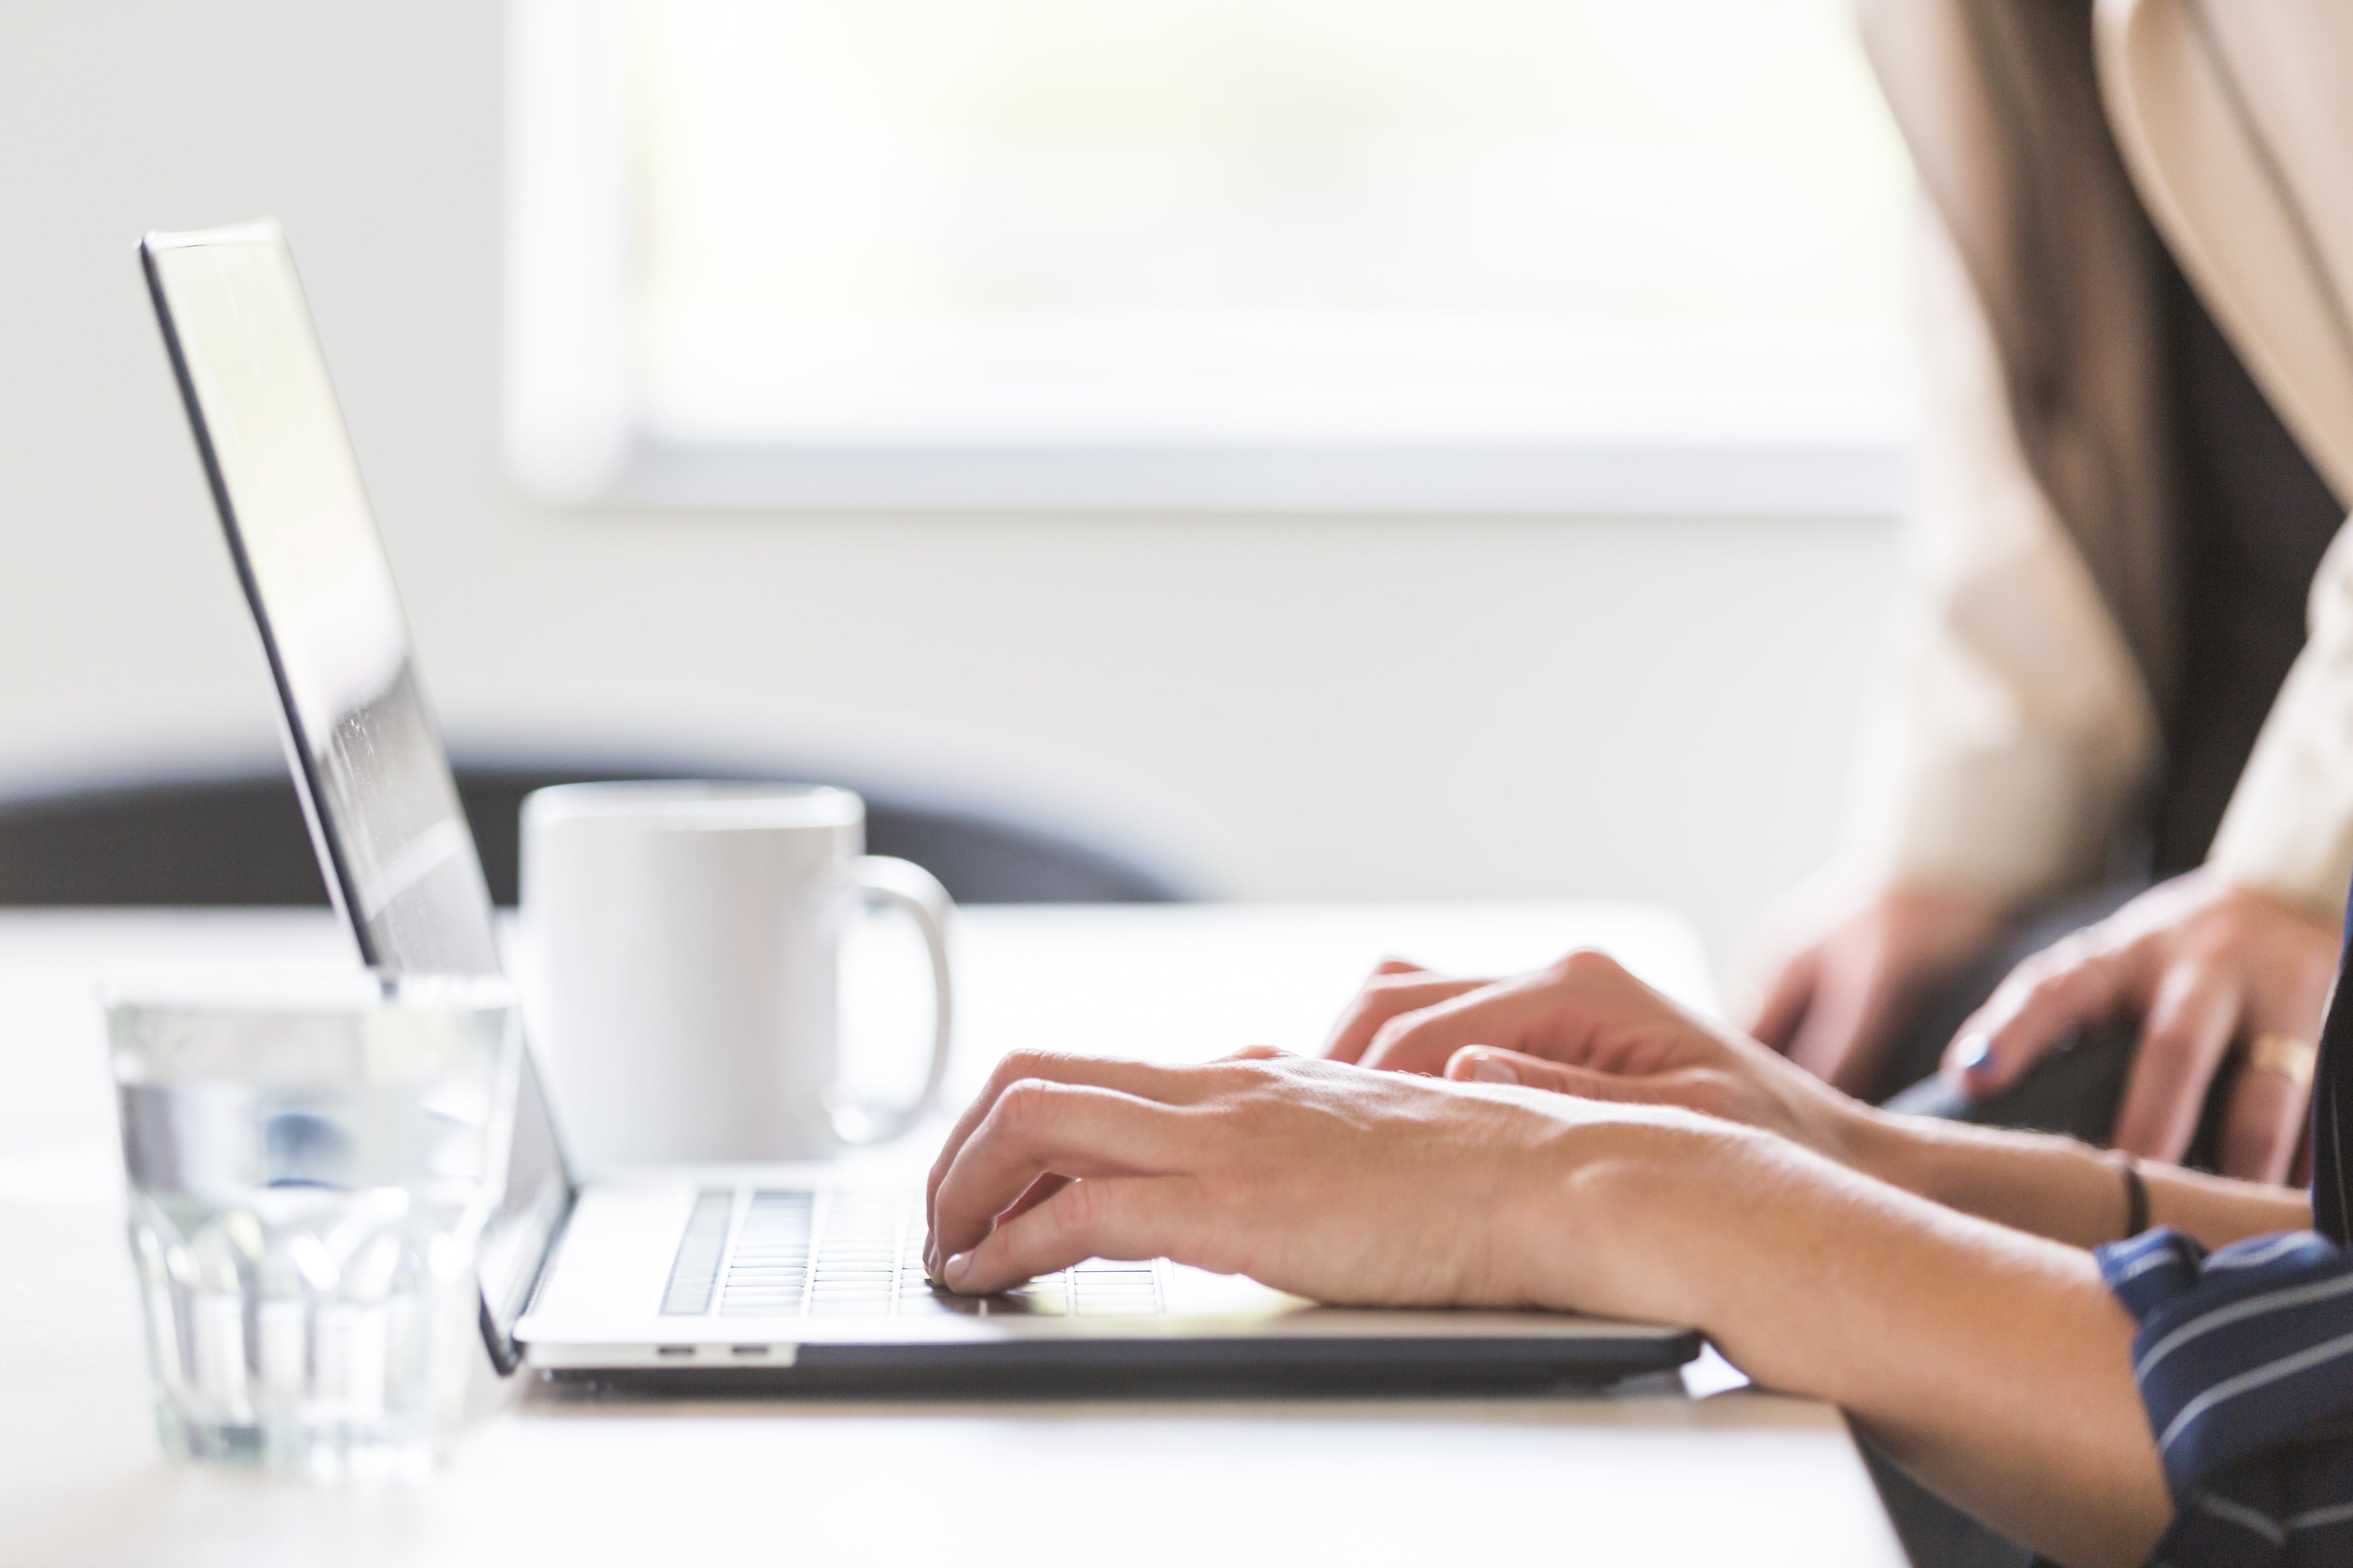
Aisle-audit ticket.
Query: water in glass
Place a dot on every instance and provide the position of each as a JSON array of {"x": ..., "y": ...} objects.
[{"x": 307, "y": 1182}]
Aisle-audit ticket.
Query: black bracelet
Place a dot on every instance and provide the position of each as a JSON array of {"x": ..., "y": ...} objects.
[{"x": 2135, "y": 1194}]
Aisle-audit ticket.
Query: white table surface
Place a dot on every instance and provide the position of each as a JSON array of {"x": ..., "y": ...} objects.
[{"x": 1643, "y": 1475}]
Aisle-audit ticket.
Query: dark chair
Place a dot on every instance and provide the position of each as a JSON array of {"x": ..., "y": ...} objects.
[{"x": 239, "y": 839}]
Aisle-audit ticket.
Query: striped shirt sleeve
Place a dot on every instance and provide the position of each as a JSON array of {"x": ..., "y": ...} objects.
[{"x": 2244, "y": 1358}]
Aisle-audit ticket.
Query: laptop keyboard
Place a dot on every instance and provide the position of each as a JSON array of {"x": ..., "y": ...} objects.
[{"x": 859, "y": 1253}]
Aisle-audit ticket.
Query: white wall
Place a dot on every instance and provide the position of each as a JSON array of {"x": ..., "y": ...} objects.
[{"x": 1350, "y": 709}]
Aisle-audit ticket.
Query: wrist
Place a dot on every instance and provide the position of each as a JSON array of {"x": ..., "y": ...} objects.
[
  {"x": 1925, "y": 1156},
  {"x": 2040, "y": 1183},
  {"x": 1897, "y": 1149},
  {"x": 1631, "y": 1207}
]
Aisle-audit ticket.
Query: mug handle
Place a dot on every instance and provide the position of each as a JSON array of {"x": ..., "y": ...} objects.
[{"x": 909, "y": 887}]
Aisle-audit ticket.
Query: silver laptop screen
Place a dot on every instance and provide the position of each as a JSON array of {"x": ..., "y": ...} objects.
[
  {"x": 402, "y": 862},
  {"x": 383, "y": 807}
]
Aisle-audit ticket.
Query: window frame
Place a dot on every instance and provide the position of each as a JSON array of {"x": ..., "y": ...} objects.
[{"x": 571, "y": 436}]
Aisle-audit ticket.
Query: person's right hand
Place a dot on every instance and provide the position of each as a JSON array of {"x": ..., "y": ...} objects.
[
  {"x": 1312, "y": 1176},
  {"x": 1842, "y": 971}
]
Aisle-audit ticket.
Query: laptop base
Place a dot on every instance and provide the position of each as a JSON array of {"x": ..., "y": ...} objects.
[{"x": 1168, "y": 1368}]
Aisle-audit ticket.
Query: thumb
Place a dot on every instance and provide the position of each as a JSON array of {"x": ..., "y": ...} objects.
[{"x": 1490, "y": 1064}]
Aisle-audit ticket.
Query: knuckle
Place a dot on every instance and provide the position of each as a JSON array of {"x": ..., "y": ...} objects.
[
  {"x": 1703, "y": 1090},
  {"x": 1273, "y": 1066},
  {"x": 1025, "y": 1105},
  {"x": 2051, "y": 986},
  {"x": 1585, "y": 965},
  {"x": 1245, "y": 1070},
  {"x": 2055, "y": 963},
  {"x": 1078, "y": 1209},
  {"x": 2210, "y": 939},
  {"x": 1016, "y": 1066},
  {"x": 1715, "y": 1094},
  {"x": 1390, "y": 1037},
  {"x": 2202, "y": 977}
]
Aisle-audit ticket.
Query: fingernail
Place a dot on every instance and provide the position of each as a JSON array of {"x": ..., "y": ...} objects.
[
  {"x": 1491, "y": 1069},
  {"x": 1973, "y": 1056},
  {"x": 954, "y": 1268}
]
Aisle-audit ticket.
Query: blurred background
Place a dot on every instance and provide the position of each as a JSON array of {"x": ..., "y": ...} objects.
[{"x": 1307, "y": 450}]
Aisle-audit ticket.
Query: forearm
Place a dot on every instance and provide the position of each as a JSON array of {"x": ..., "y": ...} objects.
[
  {"x": 2059, "y": 1188},
  {"x": 1994, "y": 1366}
]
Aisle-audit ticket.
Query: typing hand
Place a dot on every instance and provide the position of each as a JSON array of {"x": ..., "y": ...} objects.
[
  {"x": 1394, "y": 990},
  {"x": 2207, "y": 968},
  {"x": 1312, "y": 1176},
  {"x": 1585, "y": 1026}
]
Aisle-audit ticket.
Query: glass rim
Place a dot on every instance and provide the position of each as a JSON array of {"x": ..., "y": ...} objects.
[{"x": 293, "y": 989}]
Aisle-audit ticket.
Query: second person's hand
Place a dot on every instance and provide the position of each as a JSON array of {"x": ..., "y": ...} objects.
[
  {"x": 2204, "y": 967},
  {"x": 1843, "y": 969}
]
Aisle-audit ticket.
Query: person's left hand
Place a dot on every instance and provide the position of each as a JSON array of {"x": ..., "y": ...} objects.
[
  {"x": 1583, "y": 1025},
  {"x": 2201, "y": 965}
]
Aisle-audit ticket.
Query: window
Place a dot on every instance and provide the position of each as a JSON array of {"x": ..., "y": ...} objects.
[{"x": 1419, "y": 255}]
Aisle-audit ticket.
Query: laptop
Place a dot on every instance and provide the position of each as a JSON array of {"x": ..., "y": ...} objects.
[{"x": 780, "y": 1278}]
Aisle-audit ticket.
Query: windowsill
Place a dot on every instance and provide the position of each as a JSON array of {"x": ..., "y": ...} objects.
[{"x": 1861, "y": 478}]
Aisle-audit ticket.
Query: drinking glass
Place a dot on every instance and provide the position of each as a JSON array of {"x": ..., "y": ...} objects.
[{"x": 310, "y": 1159}]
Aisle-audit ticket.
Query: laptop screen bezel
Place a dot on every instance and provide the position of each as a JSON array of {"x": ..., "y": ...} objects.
[{"x": 342, "y": 887}]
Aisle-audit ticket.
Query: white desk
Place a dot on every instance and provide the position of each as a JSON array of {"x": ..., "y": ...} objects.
[{"x": 1642, "y": 1476}]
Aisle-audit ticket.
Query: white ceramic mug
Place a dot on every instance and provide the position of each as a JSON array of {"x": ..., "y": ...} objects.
[{"x": 681, "y": 960}]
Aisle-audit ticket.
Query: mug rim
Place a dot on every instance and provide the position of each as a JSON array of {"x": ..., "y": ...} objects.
[{"x": 696, "y": 803}]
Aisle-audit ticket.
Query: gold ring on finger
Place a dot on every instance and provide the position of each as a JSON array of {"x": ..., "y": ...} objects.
[{"x": 2292, "y": 1059}]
